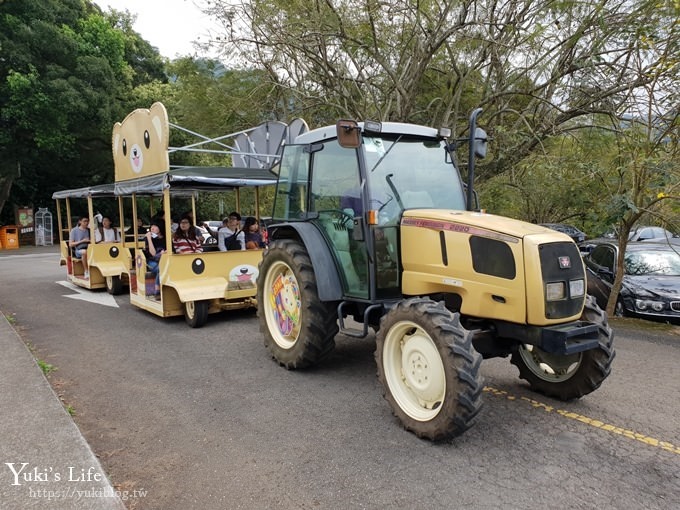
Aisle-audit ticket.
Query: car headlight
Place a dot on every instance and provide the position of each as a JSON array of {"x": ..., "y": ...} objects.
[
  {"x": 555, "y": 291},
  {"x": 647, "y": 304}
]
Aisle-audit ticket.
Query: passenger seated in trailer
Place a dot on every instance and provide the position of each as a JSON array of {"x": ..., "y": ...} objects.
[
  {"x": 186, "y": 239},
  {"x": 78, "y": 239},
  {"x": 154, "y": 247},
  {"x": 230, "y": 236},
  {"x": 105, "y": 233},
  {"x": 253, "y": 235},
  {"x": 141, "y": 231}
]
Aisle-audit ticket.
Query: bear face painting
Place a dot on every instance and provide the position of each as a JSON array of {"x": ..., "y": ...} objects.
[{"x": 140, "y": 143}]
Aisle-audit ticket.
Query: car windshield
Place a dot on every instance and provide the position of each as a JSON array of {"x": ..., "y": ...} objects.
[{"x": 653, "y": 262}]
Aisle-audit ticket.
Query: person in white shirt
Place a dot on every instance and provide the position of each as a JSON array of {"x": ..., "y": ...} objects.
[
  {"x": 231, "y": 226},
  {"x": 105, "y": 232}
]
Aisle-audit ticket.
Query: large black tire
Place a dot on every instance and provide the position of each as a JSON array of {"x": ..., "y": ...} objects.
[
  {"x": 196, "y": 313},
  {"x": 428, "y": 369},
  {"x": 114, "y": 285},
  {"x": 299, "y": 329},
  {"x": 567, "y": 377}
]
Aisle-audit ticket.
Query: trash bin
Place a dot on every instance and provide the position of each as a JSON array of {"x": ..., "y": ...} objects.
[{"x": 9, "y": 237}]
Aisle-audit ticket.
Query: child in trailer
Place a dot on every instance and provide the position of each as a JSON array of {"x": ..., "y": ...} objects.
[
  {"x": 253, "y": 238},
  {"x": 154, "y": 247}
]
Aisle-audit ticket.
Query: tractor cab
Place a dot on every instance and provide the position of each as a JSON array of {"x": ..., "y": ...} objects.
[{"x": 353, "y": 182}]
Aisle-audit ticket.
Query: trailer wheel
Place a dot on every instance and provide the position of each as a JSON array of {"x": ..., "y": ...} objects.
[
  {"x": 567, "y": 377},
  {"x": 114, "y": 285},
  {"x": 196, "y": 313},
  {"x": 298, "y": 328},
  {"x": 428, "y": 369}
]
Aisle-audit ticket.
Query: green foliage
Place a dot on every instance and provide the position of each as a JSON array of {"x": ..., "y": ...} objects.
[
  {"x": 46, "y": 367},
  {"x": 65, "y": 67}
]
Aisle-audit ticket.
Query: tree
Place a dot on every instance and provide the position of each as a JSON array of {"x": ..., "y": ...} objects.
[
  {"x": 537, "y": 67},
  {"x": 645, "y": 175},
  {"x": 64, "y": 70}
]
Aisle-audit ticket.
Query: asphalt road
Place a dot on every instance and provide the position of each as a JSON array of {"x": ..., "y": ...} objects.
[{"x": 205, "y": 419}]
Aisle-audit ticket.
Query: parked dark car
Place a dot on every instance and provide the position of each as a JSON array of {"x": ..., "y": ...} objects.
[
  {"x": 571, "y": 231},
  {"x": 647, "y": 233},
  {"x": 651, "y": 282}
]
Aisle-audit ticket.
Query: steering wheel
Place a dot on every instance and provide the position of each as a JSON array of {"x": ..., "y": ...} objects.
[{"x": 343, "y": 218}]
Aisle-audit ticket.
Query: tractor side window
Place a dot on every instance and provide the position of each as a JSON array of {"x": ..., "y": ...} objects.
[
  {"x": 335, "y": 180},
  {"x": 290, "y": 201}
]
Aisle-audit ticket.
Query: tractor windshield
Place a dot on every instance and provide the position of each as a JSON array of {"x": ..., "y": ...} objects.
[{"x": 408, "y": 173}]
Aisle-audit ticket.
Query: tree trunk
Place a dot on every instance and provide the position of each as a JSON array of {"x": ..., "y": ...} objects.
[{"x": 5, "y": 187}]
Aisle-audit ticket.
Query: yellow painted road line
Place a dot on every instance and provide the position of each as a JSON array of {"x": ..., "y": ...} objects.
[{"x": 630, "y": 434}]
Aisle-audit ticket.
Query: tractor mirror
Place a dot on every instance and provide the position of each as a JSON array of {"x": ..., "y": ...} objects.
[
  {"x": 348, "y": 134},
  {"x": 481, "y": 140}
]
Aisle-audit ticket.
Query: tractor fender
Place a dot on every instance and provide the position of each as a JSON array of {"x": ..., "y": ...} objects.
[{"x": 328, "y": 282}]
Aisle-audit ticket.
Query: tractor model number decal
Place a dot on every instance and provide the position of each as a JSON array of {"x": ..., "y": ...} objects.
[
  {"x": 452, "y": 226},
  {"x": 286, "y": 303}
]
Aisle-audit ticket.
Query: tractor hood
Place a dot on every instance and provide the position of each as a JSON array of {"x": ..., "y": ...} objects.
[{"x": 495, "y": 265}]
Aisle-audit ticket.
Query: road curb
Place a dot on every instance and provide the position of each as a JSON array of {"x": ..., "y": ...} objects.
[{"x": 45, "y": 461}]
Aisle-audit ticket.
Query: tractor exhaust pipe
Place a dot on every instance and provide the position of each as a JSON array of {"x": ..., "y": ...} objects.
[{"x": 471, "y": 157}]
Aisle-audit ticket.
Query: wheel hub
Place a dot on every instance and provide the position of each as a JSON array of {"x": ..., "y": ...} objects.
[
  {"x": 550, "y": 367},
  {"x": 422, "y": 369}
]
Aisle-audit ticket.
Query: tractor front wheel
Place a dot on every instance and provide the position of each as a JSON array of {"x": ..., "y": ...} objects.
[
  {"x": 428, "y": 369},
  {"x": 569, "y": 376}
]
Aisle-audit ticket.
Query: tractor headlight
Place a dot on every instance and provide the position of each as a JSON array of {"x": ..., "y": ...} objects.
[
  {"x": 577, "y": 288},
  {"x": 555, "y": 291}
]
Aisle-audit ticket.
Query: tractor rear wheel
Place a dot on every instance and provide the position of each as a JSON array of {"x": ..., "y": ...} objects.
[
  {"x": 429, "y": 369},
  {"x": 569, "y": 376},
  {"x": 299, "y": 329}
]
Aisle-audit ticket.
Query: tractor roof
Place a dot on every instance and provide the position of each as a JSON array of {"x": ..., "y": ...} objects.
[{"x": 389, "y": 128}]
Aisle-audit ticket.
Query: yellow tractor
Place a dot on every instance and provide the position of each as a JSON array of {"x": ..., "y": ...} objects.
[{"x": 373, "y": 222}]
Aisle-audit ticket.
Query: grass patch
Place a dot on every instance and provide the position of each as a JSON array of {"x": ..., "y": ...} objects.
[
  {"x": 45, "y": 367},
  {"x": 644, "y": 325}
]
